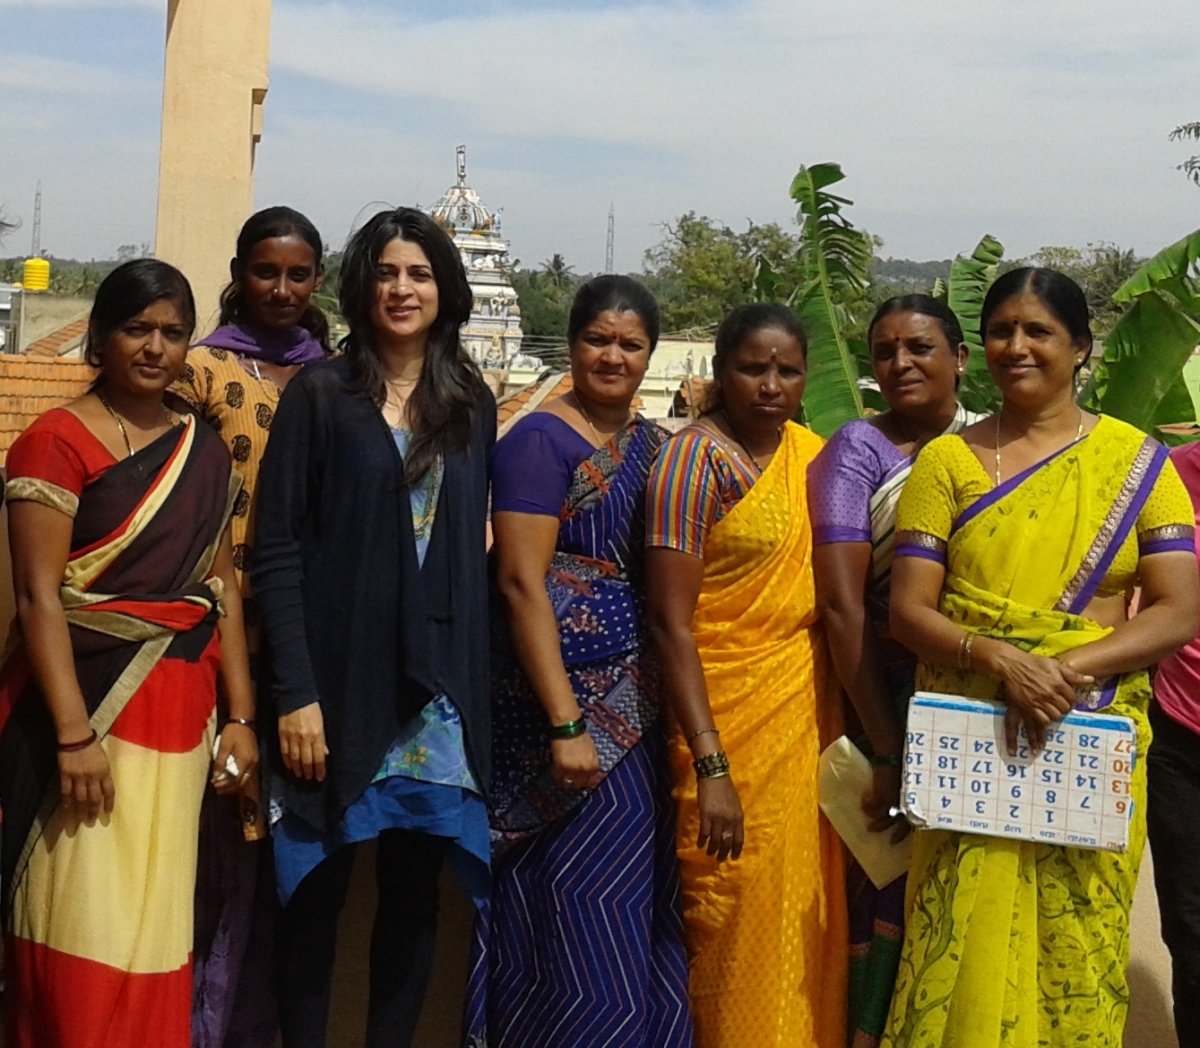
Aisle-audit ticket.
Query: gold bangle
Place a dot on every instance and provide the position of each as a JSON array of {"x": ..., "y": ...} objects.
[
  {"x": 964, "y": 650},
  {"x": 712, "y": 765}
]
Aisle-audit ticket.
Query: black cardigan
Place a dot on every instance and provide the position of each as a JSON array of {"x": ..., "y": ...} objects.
[{"x": 348, "y": 616}]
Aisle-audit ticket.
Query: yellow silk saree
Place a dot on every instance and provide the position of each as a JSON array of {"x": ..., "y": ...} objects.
[
  {"x": 1012, "y": 943},
  {"x": 767, "y": 934}
]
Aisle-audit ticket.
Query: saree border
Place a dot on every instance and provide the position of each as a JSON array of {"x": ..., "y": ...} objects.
[
  {"x": 35, "y": 489},
  {"x": 999, "y": 491},
  {"x": 1115, "y": 528}
]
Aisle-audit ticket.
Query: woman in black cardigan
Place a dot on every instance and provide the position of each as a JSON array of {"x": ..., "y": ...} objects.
[{"x": 371, "y": 583}]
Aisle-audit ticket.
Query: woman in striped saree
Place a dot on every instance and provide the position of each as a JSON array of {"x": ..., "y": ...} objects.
[
  {"x": 121, "y": 554},
  {"x": 583, "y": 943},
  {"x": 918, "y": 356},
  {"x": 732, "y": 609},
  {"x": 1018, "y": 544}
]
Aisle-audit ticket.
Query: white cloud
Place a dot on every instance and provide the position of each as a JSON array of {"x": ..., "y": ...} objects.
[
  {"x": 85, "y": 5},
  {"x": 1042, "y": 122},
  {"x": 39, "y": 75}
]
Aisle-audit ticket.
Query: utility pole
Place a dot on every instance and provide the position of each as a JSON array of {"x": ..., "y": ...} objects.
[
  {"x": 608, "y": 249},
  {"x": 35, "y": 250}
]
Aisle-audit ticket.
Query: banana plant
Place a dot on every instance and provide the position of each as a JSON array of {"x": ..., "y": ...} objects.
[
  {"x": 1139, "y": 379},
  {"x": 832, "y": 264},
  {"x": 963, "y": 291}
]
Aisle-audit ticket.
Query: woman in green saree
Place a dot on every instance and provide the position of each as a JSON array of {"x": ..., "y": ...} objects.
[{"x": 1019, "y": 543}]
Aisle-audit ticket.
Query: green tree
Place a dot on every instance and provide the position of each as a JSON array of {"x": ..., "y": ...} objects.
[
  {"x": 1099, "y": 269},
  {"x": 700, "y": 270},
  {"x": 545, "y": 302},
  {"x": 1191, "y": 166},
  {"x": 557, "y": 272}
]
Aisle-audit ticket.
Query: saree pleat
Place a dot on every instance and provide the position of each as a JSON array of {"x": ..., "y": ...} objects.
[
  {"x": 766, "y": 933},
  {"x": 98, "y": 923},
  {"x": 1014, "y": 943}
]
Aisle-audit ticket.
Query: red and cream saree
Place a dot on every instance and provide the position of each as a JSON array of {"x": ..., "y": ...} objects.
[{"x": 98, "y": 919}]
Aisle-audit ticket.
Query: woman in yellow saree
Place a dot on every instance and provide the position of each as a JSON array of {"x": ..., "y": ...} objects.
[
  {"x": 1018, "y": 543},
  {"x": 732, "y": 610}
]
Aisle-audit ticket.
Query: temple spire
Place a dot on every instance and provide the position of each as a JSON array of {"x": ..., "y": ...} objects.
[{"x": 461, "y": 155}]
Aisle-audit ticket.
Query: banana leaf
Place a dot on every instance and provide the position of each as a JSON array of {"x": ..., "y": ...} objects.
[
  {"x": 1143, "y": 360},
  {"x": 966, "y": 287},
  {"x": 1173, "y": 270},
  {"x": 1176, "y": 408},
  {"x": 833, "y": 262}
]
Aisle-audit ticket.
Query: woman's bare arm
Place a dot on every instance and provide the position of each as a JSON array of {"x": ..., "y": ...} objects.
[
  {"x": 40, "y": 541},
  {"x": 673, "y": 581}
]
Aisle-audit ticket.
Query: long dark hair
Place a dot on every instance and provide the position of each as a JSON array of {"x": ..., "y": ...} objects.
[
  {"x": 1054, "y": 290},
  {"x": 442, "y": 406},
  {"x": 265, "y": 225},
  {"x": 739, "y": 325},
  {"x": 126, "y": 291}
]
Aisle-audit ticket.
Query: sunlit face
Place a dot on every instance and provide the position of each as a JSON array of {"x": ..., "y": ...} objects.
[
  {"x": 406, "y": 294},
  {"x": 146, "y": 353},
  {"x": 277, "y": 278},
  {"x": 762, "y": 381},
  {"x": 915, "y": 364},
  {"x": 1030, "y": 352},
  {"x": 609, "y": 357}
]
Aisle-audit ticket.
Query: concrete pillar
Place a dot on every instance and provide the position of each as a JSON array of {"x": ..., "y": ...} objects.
[{"x": 214, "y": 84}]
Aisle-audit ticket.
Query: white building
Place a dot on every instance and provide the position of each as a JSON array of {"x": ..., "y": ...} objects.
[{"x": 493, "y": 333}]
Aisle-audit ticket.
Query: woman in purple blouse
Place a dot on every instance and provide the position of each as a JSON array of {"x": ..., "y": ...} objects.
[{"x": 918, "y": 355}]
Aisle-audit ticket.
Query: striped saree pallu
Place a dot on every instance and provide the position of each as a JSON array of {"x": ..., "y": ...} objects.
[{"x": 98, "y": 919}]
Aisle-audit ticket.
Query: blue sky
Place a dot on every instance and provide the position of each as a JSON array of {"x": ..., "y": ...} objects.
[{"x": 1040, "y": 121}]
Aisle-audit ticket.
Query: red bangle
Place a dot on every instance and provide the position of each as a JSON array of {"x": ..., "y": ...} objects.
[{"x": 75, "y": 747}]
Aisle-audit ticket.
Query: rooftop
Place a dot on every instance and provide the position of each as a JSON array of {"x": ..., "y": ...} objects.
[{"x": 30, "y": 386}]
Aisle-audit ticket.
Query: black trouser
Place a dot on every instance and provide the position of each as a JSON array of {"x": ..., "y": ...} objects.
[
  {"x": 402, "y": 940},
  {"x": 1173, "y": 822}
]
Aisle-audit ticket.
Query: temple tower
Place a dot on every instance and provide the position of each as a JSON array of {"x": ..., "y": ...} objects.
[{"x": 493, "y": 333}]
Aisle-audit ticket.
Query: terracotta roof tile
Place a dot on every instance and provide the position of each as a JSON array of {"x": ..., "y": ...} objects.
[
  {"x": 524, "y": 400},
  {"x": 65, "y": 339},
  {"x": 517, "y": 405},
  {"x": 30, "y": 386}
]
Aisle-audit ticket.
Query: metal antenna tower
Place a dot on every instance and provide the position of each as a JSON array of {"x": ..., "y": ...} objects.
[
  {"x": 608, "y": 248},
  {"x": 36, "y": 250}
]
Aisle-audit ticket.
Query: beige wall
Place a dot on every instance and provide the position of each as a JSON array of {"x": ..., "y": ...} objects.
[{"x": 214, "y": 83}]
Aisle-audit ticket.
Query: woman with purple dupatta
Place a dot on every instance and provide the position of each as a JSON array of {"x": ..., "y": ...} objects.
[
  {"x": 268, "y": 330},
  {"x": 582, "y": 943},
  {"x": 918, "y": 357},
  {"x": 1018, "y": 544}
]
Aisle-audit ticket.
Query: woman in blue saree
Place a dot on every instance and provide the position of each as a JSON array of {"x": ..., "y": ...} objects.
[{"x": 582, "y": 943}]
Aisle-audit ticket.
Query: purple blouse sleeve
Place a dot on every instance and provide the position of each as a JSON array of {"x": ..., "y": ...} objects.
[
  {"x": 533, "y": 463},
  {"x": 841, "y": 481}
]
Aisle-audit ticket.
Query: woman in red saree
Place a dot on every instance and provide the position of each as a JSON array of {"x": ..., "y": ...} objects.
[{"x": 122, "y": 566}]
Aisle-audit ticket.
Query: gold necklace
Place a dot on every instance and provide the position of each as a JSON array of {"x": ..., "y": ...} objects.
[
  {"x": 742, "y": 444},
  {"x": 121, "y": 424},
  {"x": 601, "y": 441},
  {"x": 1078, "y": 434}
]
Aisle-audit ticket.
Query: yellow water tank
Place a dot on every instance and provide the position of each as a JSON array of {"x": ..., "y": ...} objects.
[{"x": 36, "y": 274}]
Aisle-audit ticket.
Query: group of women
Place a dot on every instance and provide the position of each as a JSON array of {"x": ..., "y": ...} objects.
[{"x": 618, "y": 758}]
